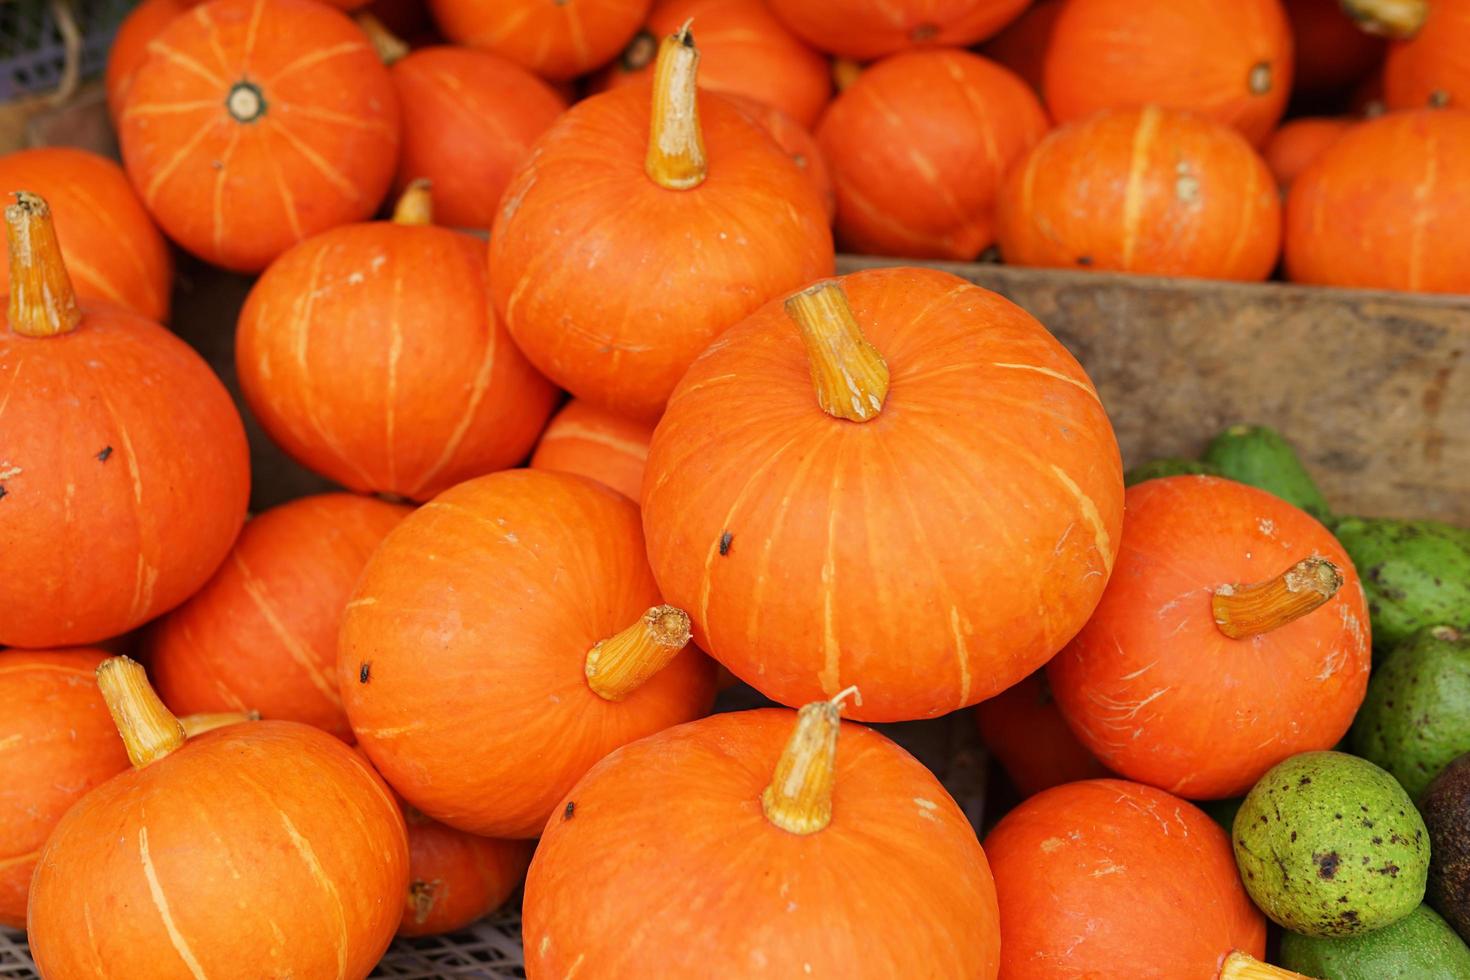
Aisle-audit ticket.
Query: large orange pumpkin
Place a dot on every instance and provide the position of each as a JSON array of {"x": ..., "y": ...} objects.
[
  {"x": 255, "y": 123},
  {"x": 130, "y": 46},
  {"x": 1106, "y": 880},
  {"x": 557, "y": 40},
  {"x": 918, "y": 147},
  {"x": 262, "y": 634},
  {"x": 1432, "y": 68},
  {"x": 469, "y": 120},
  {"x": 800, "y": 145},
  {"x": 1027, "y": 735},
  {"x": 113, "y": 251},
  {"x": 631, "y": 239},
  {"x": 455, "y": 878},
  {"x": 505, "y": 637},
  {"x": 1293, "y": 147},
  {"x": 895, "y": 480},
  {"x": 1156, "y": 191},
  {"x": 866, "y": 29},
  {"x": 747, "y": 838},
  {"x": 1385, "y": 206},
  {"x": 1228, "y": 59},
  {"x": 1022, "y": 46},
  {"x": 124, "y": 473},
  {"x": 587, "y": 441},
  {"x": 1330, "y": 52},
  {"x": 265, "y": 849},
  {"x": 370, "y": 353},
  {"x": 1205, "y": 664}
]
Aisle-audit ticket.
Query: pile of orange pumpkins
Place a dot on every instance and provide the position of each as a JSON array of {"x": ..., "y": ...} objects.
[{"x": 884, "y": 496}]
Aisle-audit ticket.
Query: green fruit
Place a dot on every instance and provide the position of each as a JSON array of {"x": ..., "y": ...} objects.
[
  {"x": 1168, "y": 466},
  {"x": 1261, "y": 457},
  {"x": 1416, "y": 717},
  {"x": 1330, "y": 845},
  {"x": 1420, "y": 946},
  {"x": 1415, "y": 573}
]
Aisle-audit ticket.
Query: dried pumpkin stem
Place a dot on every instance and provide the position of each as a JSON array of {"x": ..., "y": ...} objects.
[
  {"x": 416, "y": 206},
  {"x": 208, "y": 721},
  {"x": 1399, "y": 19},
  {"x": 389, "y": 46},
  {"x": 149, "y": 730},
  {"x": 1249, "y": 610},
  {"x": 675, "y": 140},
  {"x": 421, "y": 898},
  {"x": 42, "y": 300},
  {"x": 618, "y": 665},
  {"x": 1243, "y": 966},
  {"x": 849, "y": 375},
  {"x": 799, "y": 799}
]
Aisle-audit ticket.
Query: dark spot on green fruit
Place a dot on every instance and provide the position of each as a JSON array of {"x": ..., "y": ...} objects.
[{"x": 1326, "y": 865}]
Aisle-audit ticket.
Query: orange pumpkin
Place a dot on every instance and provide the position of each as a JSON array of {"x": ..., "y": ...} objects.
[
  {"x": 555, "y": 40},
  {"x": 919, "y": 145},
  {"x": 1155, "y": 191},
  {"x": 56, "y": 742},
  {"x": 455, "y": 878},
  {"x": 1384, "y": 206},
  {"x": 1027, "y": 735},
  {"x": 1022, "y": 46},
  {"x": 115, "y": 504},
  {"x": 536, "y": 593},
  {"x": 264, "y": 849},
  {"x": 799, "y": 144},
  {"x": 243, "y": 139},
  {"x": 130, "y": 46},
  {"x": 1293, "y": 147},
  {"x": 811, "y": 495},
  {"x": 595, "y": 444},
  {"x": 370, "y": 354},
  {"x": 867, "y": 29},
  {"x": 1106, "y": 878},
  {"x": 746, "y": 836},
  {"x": 1205, "y": 663},
  {"x": 113, "y": 251},
  {"x": 262, "y": 634},
  {"x": 469, "y": 120},
  {"x": 1431, "y": 68},
  {"x": 1228, "y": 59},
  {"x": 1330, "y": 52},
  {"x": 665, "y": 227}
]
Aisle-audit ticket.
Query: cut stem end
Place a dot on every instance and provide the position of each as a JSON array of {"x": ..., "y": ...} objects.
[
  {"x": 149, "y": 730},
  {"x": 848, "y": 373},
  {"x": 1250, "y": 610},
  {"x": 42, "y": 300},
  {"x": 799, "y": 799},
  {"x": 389, "y": 46},
  {"x": 1398, "y": 19},
  {"x": 619, "y": 665},
  {"x": 1243, "y": 966},
  {"x": 675, "y": 141},
  {"x": 416, "y": 206}
]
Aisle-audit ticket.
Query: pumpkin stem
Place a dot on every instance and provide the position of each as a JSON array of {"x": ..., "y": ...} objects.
[
  {"x": 675, "y": 140},
  {"x": 845, "y": 71},
  {"x": 149, "y": 730},
  {"x": 799, "y": 799},
  {"x": 850, "y": 376},
  {"x": 1399, "y": 19},
  {"x": 416, "y": 206},
  {"x": 389, "y": 46},
  {"x": 618, "y": 665},
  {"x": 1240, "y": 965},
  {"x": 1249, "y": 610},
  {"x": 42, "y": 300},
  {"x": 208, "y": 721}
]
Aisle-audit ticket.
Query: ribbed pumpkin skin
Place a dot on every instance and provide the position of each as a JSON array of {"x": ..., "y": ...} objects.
[
  {"x": 118, "y": 505},
  {"x": 1155, "y": 690},
  {"x": 555, "y": 40},
  {"x": 264, "y": 849},
  {"x": 238, "y": 194},
  {"x": 1184, "y": 54},
  {"x": 469, "y": 120},
  {"x": 628, "y": 302},
  {"x": 1293, "y": 147},
  {"x": 1331, "y": 51},
  {"x": 1386, "y": 206},
  {"x": 934, "y": 555},
  {"x": 800, "y": 145},
  {"x": 113, "y": 251},
  {"x": 867, "y": 29},
  {"x": 918, "y": 147},
  {"x": 1027, "y": 735},
  {"x": 455, "y": 878},
  {"x": 474, "y": 619},
  {"x": 1432, "y": 67},
  {"x": 57, "y": 741},
  {"x": 262, "y": 634},
  {"x": 1107, "y": 878},
  {"x": 1021, "y": 47},
  {"x": 1154, "y": 191},
  {"x": 683, "y": 810},
  {"x": 130, "y": 46},
  {"x": 587, "y": 441},
  {"x": 371, "y": 355}
]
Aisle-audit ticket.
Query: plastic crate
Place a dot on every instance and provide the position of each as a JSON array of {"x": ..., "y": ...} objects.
[{"x": 33, "y": 53}]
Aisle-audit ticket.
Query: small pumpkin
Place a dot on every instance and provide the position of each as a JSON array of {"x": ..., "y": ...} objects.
[
  {"x": 1232, "y": 635},
  {"x": 550, "y": 648},
  {"x": 1022, "y": 46},
  {"x": 555, "y": 40},
  {"x": 1293, "y": 147},
  {"x": 1330, "y": 52},
  {"x": 1028, "y": 736},
  {"x": 919, "y": 146},
  {"x": 1230, "y": 60},
  {"x": 1105, "y": 878},
  {"x": 455, "y": 878},
  {"x": 262, "y": 634},
  {"x": 243, "y": 140},
  {"x": 666, "y": 227},
  {"x": 130, "y": 45},
  {"x": 800, "y": 145},
  {"x": 1429, "y": 67},
  {"x": 762, "y": 828},
  {"x": 1152, "y": 190},
  {"x": 113, "y": 251},
  {"x": 115, "y": 505},
  {"x": 265, "y": 848},
  {"x": 1383, "y": 206},
  {"x": 593, "y": 443},
  {"x": 371, "y": 355},
  {"x": 868, "y": 29},
  {"x": 811, "y": 495}
]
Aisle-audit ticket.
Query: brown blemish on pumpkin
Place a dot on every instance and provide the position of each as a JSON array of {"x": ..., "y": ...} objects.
[
  {"x": 364, "y": 672},
  {"x": 1439, "y": 98},
  {"x": 725, "y": 540},
  {"x": 421, "y": 896},
  {"x": 640, "y": 52},
  {"x": 1084, "y": 260},
  {"x": 570, "y": 811},
  {"x": 923, "y": 32},
  {"x": 1327, "y": 865},
  {"x": 3, "y": 491},
  {"x": 104, "y": 454},
  {"x": 1259, "y": 79}
]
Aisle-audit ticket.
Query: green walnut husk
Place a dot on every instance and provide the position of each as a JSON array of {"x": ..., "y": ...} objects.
[
  {"x": 1416, "y": 574},
  {"x": 1262, "y": 457},
  {"x": 1420, "y": 946}
]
